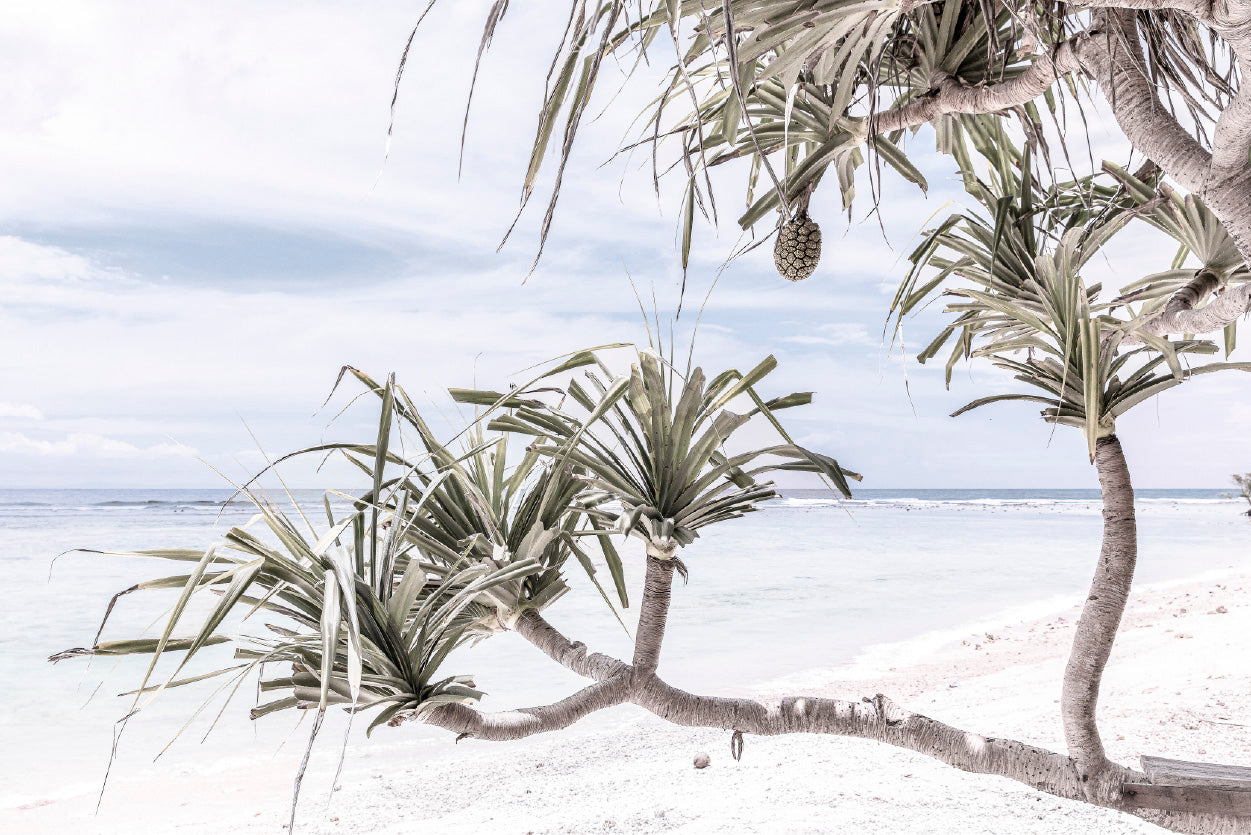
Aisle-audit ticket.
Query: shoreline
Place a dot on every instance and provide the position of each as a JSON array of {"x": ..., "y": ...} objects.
[{"x": 636, "y": 776}]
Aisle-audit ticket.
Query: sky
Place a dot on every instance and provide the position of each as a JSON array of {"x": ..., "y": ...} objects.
[{"x": 200, "y": 225}]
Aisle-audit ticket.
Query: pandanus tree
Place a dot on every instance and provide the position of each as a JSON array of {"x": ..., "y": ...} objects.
[
  {"x": 449, "y": 547},
  {"x": 1014, "y": 284},
  {"x": 365, "y": 611},
  {"x": 794, "y": 90}
]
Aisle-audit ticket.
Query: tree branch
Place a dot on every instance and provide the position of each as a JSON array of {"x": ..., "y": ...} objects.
[
  {"x": 1116, "y": 61},
  {"x": 878, "y": 719},
  {"x": 1180, "y": 315},
  {"x": 1231, "y": 138},
  {"x": 569, "y": 654},
  {"x": 949, "y": 96},
  {"x": 882, "y": 720},
  {"x": 518, "y": 724},
  {"x": 1108, "y": 52},
  {"x": 1111, "y": 53}
]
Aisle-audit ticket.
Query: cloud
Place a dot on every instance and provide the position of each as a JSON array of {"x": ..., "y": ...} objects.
[
  {"x": 20, "y": 410},
  {"x": 33, "y": 263},
  {"x": 81, "y": 444},
  {"x": 834, "y": 335}
]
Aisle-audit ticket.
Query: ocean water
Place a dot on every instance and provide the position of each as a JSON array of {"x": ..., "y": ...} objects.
[{"x": 789, "y": 596}]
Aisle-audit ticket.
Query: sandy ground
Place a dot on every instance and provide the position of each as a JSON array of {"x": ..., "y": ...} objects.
[{"x": 1179, "y": 685}]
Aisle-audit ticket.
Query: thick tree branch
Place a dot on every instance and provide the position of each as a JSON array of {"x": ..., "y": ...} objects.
[
  {"x": 1231, "y": 138},
  {"x": 569, "y": 654},
  {"x": 1182, "y": 314},
  {"x": 878, "y": 719},
  {"x": 1116, "y": 61},
  {"x": 1104, "y": 52},
  {"x": 1232, "y": 21},
  {"x": 518, "y": 724},
  {"x": 1118, "y": 64},
  {"x": 1111, "y": 53},
  {"x": 949, "y": 96},
  {"x": 882, "y": 720}
]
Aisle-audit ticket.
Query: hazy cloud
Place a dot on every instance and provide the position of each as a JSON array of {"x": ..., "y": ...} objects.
[
  {"x": 20, "y": 410},
  {"x": 835, "y": 334},
  {"x": 89, "y": 446}
]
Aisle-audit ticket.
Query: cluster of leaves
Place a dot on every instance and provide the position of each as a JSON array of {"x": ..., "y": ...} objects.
[
  {"x": 802, "y": 80},
  {"x": 1013, "y": 278},
  {"x": 655, "y": 442}
]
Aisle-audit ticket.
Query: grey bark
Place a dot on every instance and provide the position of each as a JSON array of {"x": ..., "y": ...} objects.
[
  {"x": 1084, "y": 774},
  {"x": 509, "y": 725},
  {"x": 653, "y": 615},
  {"x": 1182, "y": 313},
  {"x": 876, "y": 718},
  {"x": 569, "y": 654},
  {"x": 1098, "y": 624}
]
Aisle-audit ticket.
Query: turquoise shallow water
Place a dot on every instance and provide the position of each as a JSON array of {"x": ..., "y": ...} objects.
[{"x": 807, "y": 583}]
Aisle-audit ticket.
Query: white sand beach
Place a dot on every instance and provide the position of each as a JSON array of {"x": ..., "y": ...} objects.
[{"x": 1179, "y": 685}]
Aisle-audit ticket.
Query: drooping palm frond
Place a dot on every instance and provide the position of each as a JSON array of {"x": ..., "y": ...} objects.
[
  {"x": 338, "y": 640},
  {"x": 656, "y": 442}
]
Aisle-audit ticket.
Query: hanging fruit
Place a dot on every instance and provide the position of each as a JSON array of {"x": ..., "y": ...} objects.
[{"x": 798, "y": 247}]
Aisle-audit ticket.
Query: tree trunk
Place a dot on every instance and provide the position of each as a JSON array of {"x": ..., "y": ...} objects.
[
  {"x": 1098, "y": 624},
  {"x": 653, "y": 615}
]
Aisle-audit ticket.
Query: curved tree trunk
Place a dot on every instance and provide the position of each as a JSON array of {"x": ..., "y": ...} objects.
[{"x": 1098, "y": 624}]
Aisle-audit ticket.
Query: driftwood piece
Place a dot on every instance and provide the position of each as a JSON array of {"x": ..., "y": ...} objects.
[
  {"x": 1197, "y": 799},
  {"x": 1164, "y": 771},
  {"x": 1184, "y": 786}
]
